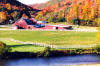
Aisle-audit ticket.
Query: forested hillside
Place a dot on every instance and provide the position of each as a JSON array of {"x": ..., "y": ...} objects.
[
  {"x": 47, "y": 4},
  {"x": 10, "y": 10},
  {"x": 87, "y": 12}
]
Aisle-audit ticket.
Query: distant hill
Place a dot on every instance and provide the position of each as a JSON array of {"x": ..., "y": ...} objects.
[
  {"x": 53, "y": 8},
  {"x": 87, "y": 12},
  {"x": 82, "y": 12},
  {"x": 10, "y": 9},
  {"x": 15, "y": 3},
  {"x": 47, "y": 4}
]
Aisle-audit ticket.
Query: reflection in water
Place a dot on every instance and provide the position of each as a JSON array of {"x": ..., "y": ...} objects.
[
  {"x": 2, "y": 63},
  {"x": 55, "y": 61}
]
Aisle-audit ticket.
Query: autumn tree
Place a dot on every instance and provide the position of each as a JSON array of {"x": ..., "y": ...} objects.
[
  {"x": 3, "y": 17},
  {"x": 73, "y": 14}
]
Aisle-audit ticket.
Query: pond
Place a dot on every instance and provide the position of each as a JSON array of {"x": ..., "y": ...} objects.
[{"x": 54, "y": 61}]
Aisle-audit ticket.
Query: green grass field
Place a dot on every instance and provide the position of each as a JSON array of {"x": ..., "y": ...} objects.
[
  {"x": 26, "y": 48},
  {"x": 59, "y": 38},
  {"x": 52, "y": 37},
  {"x": 17, "y": 47}
]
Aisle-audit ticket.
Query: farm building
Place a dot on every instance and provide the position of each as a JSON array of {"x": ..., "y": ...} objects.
[{"x": 32, "y": 23}]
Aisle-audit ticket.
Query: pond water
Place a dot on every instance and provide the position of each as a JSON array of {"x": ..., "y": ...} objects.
[{"x": 54, "y": 61}]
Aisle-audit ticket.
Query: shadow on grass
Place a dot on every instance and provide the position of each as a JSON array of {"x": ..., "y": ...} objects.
[{"x": 23, "y": 45}]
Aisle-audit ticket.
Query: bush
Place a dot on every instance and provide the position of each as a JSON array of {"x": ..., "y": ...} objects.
[
  {"x": 76, "y": 21},
  {"x": 47, "y": 52},
  {"x": 61, "y": 19},
  {"x": 3, "y": 49},
  {"x": 53, "y": 19}
]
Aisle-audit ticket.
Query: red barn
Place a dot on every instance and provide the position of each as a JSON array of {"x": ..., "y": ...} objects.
[{"x": 32, "y": 24}]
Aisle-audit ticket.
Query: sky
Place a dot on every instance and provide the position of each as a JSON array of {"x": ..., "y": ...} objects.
[{"x": 27, "y": 2}]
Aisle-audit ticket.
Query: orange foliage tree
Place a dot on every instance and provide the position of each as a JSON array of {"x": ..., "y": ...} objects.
[
  {"x": 3, "y": 17},
  {"x": 74, "y": 12}
]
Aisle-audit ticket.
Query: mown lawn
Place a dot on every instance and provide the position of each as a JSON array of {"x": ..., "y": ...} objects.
[
  {"x": 26, "y": 48},
  {"x": 59, "y": 38},
  {"x": 52, "y": 37},
  {"x": 17, "y": 47}
]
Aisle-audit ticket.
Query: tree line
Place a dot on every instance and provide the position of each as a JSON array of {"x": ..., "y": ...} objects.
[{"x": 85, "y": 12}]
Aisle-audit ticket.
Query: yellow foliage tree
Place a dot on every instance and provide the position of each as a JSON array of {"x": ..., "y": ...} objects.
[
  {"x": 98, "y": 35},
  {"x": 92, "y": 14},
  {"x": 98, "y": 20},
  {"x": 3, "y": 16},
  {"x": 86, "y": 12},
  {"x": 74, "y": 12},
  {"x": 97, "y": 2},
  {"x": 61, "y": 13}
]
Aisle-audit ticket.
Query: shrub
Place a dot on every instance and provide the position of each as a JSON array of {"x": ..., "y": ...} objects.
[
  {"x": 55, "y": 19},
  {"x": 47, "y": 52},
  {"x": 61, "y": 19},
  {"x": 3, "y": 49},
  {"x": 76, "y": 21}
]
